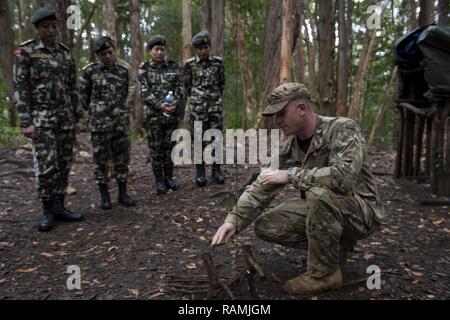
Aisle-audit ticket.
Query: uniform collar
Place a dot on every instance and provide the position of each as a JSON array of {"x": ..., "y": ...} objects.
[
  {"x": 40, "y": 45},
  {"x": 153, "y": 64},
  {"x": 103, "y": 66}
]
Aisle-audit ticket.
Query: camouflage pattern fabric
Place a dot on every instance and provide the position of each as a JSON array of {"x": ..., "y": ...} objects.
[
  {"x": 155, "y": 85},
  {"x": 45, "y": 82},
  {"x": 204, "y": 81},
  {"x": 337, "y": 198}
]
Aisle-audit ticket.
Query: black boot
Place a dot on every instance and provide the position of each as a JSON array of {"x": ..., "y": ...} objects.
[
  {"x": 168, "y": 177},
  {"x": 161, "y": 187},
  {"x": 124, "y": 198},
  {"x": 200, "y": 179},
  {"x": 105, "y": 198},
  {"x": 48, "y": 220},
  {"x": 217, "y": 174},
  {"x": 62, "y": 213}
]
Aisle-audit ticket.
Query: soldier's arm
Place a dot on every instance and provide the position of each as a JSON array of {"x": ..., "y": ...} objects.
[
  {"x": 143, "y": 86},
  {"x": 85, "y": 89},
  {"x": 187, "y": 78},
  {"x": 345, "y": 163},
  {"x": 132, "y": 88},
  {"x": 74, "y": 93},
  {"x": 222, "y": 78},
  {"x": 22, "y": 98},
  {"x": 252, "y": 203}
]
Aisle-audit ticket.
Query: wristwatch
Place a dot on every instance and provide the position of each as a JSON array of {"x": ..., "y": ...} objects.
[{"x": 290, "y": 173}]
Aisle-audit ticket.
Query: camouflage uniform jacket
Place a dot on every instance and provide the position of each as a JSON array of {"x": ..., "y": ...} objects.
[
  {"x": 105, "y": 94},
  {"x": 204, "y": 79},
  {"x": 45, "y": 86},
  {"x": 336, "y": 159},
  {"x": 155, "y": 84}
]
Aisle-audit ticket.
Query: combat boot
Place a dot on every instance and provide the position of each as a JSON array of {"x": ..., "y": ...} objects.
[
  {"x": 307, "y": 284},
  {"x": 62, "y": 213},
  {"x": 161, "y": 187},
  {"x": 48, "y": 220},
  {"x": 105, "y": 198},
  {"x": 124, "y": 198},
  {"x": 200, "y": 179},
  {"x": 168, "y": 177},
  {"x": 217, "y": 174}
]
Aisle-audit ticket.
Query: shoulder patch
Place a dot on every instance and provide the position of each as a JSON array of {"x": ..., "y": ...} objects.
[
  {"x": 90, "y": 65},
  {"x": 26, "y": 42}
]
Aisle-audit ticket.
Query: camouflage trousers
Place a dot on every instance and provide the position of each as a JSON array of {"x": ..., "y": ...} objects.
[
  {"x": 210, "y": 114},
  {"x": 322, "y": 223},
  {"x": 52, "y": 155},
  {"x": 111, "y": 149},
  {"x": 159, "y": 137}
]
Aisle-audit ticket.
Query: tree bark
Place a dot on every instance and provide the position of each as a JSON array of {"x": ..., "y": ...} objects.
[
  {"x": 137, "y": 58},
  {"x": 344, "y": 56},
  {"x": 248, "y": 82},
  {"x": 426, "y": 12},
  {"x": 286, "y": 40},
  {"x": 87, "y": 25},
  {"x": 213, "y": 20},
  {"x": 387, "y": 98},
  {"x": 300, "y": 50},
  {"x": 111, "y": 21},
  {"x": 187, "y": 30},
  {"x": 64, "y": 34},
  {"x": 443, "y": 13},
  {"x": 366, "y": 55},
  {"x": 312, "y": 45},
  {"x": 326, "y": 55},
  {"x": 7, "y": 55},
  {"x": 413, "y": 14}
]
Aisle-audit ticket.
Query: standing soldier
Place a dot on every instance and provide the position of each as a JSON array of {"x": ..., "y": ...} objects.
[
  {"x": 47, "y": 99},
  {"x": 204, "y": 78},
  {"x": 105, "y": 92},
  {"x": 158, "y": 78}
]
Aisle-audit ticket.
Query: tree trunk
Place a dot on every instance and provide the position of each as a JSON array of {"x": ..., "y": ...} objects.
[
  {"x": 111, "y": 21},
  {"x": 413, "y": 14},
  {"x": 137, "y": 58},
  {"x": 26, "y": 29},
  {"x": 87, "y": 25},
  {"x": 366, "y": 55},
  {"x": 426, "y": 12},
  {"x": 387, "y": 99},
  {"x": 64, "y": 34},
  {"x": 187, "y": 30},
  {"x": 7, "y": 55},
  {"x": 286, "y": 40},
  {"x": 312, "y": 45},
  {"x": 344, "y": 56},
  {"x": 213, "y": 20},
  {"x": 443, "y": 13},
  {"x": 247, "y": 77},
  {"x": 326, "y": 56}
]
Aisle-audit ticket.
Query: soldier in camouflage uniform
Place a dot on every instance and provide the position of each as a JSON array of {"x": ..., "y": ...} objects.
[
  {"x": 204, "y": 80},
  {"x": 337, "y": 204},
  {"x": 157, "y": 78},
  {"x": 105, "y": 88},
  {"x": 49, "y": 109}
]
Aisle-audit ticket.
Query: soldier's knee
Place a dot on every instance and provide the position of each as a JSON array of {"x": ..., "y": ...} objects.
[
  {"x": 261, "y": 228},
  {"x": 318, "y": 196}
]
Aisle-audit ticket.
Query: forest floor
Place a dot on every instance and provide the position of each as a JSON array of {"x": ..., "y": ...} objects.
[{"x": 153, "y": 251}]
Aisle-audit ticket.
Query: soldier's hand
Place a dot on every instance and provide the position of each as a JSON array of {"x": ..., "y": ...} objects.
[
  {"x": 29, "y": 132},
  {"x": 274, "y": 177},
  {"x": 223, "y": 234},
  {"x": 79, "y": 128}
]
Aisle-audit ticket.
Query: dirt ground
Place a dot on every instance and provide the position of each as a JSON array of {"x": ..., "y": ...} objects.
[{"x": 153, "y": 251}]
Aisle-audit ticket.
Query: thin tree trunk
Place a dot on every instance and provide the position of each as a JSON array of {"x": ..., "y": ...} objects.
[
  {"x": 65, "y": 35},
  {"x": 187, "y": 30},
  {"x": 387, "y": 99},
  {"x": 366, "y": 55},
  {"x": 326, "y": 54},
  {"x": 27, "y": 29},
  {"x": 111, "y": 21},
  {"x": 426, "y": 12},
  {"x": 443, "y": 14},
  {"x": 79, "y": 43},
  {"x": 137, "y": 57},
  {"x": 344, "y": 57},
  {"x": 286, "y": 40},
  {"x": 413, "y": 14},
  {"x": 300, "y": 51},
  {"x": 247, "y": 76},
  {"x": 7, "y": 55},
  {"x": 213, "y": 20},
  {"x": 312, "y": 53}
]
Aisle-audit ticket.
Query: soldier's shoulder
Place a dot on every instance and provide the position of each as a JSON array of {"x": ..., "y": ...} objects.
[
  {"x": 144, "y": 65},
  {"x": 172, "y": 64},
  {"x": 217, "y": 59},
  {"x": 26, "y": 43},
  {"x": 191, "y": 60},
  {"x": 62, "y": 45},
  {"x": 90, "y": 66},
  {"x": 25, "y": 47},
  {"x": 123, "y": 65}
]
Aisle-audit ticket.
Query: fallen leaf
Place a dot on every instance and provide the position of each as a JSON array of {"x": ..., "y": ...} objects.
[
  {"x": 27, "y": 270},
  {"x": 191, "y": 266},
  {"x": 135, "y": 292},
  {"x": 47, "y": 255},
  {"x": 417, "y": 274},
  {"x": 438, "y": 222}
]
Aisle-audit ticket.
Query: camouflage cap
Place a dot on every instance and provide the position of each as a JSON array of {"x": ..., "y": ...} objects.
[
  {"x": 103, "y": 43},
  {"x": 156, "y": 41},
  {"x": 201, "y": 38},
  {"x": 45, "y": 13},
  {"x": 282, "y": 95}
]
